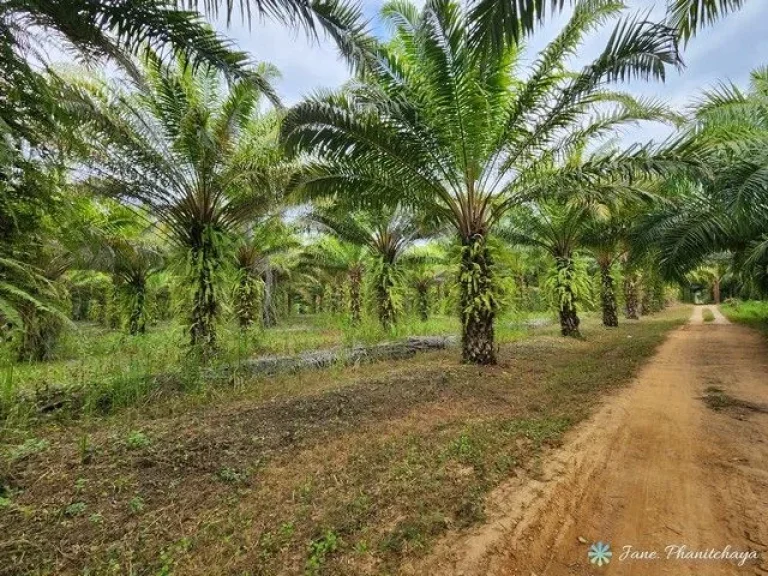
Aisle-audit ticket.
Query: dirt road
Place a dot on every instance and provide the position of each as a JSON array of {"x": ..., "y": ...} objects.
[{"x": 657, "y": 466}]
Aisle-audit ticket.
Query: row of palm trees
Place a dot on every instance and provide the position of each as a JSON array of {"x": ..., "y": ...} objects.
[{"x": 440, "y": 132}]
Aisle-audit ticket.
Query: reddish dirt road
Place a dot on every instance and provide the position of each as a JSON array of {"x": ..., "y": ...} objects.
[{"x": 657, "y": 466}]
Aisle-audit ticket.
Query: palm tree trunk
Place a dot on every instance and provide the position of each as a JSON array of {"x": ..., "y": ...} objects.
[
  {"x": 112, "y": 308},
  {"x": 268, "y": 311},
  {"x": 716, "y": 290},
  {"x": 608, "y": 296},
  {"x": 246, "y": 300},
  {"x": 137, "y": 323},
  {"x": 477, "y": 301},
  {"x": 645, "y": 298},
  {"x": 630, "y": 294},
  {"x": 658, "y": 300},
  {"x": 355, "y": 279},
  {"x": 204, "y": 305},
  {"x": 384, "y": 303},
  {"x": 569, "y": 318},
  {"x": 423, "y": 302}
]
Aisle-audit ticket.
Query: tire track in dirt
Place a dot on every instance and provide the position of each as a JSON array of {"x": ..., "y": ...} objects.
[{"x": 654, "y": 467}]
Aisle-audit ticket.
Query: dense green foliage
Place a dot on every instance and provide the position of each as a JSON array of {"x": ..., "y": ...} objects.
[{"x": 447, "y": 178}]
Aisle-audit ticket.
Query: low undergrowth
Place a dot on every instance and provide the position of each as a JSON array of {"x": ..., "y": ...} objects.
[
  {"x": 345, "y": 471},
  {"x": 707, "y": 315},
  {"x": 103, "y": 371},
  {"x": 753, "y": 313}
]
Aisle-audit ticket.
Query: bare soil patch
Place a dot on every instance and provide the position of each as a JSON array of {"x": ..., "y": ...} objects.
[{"x": 654, "y": 467}]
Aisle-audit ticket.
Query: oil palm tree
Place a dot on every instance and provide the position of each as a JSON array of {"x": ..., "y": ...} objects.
[
  {"x": 131, "y": 263},
  {"x": 439, "y": 124},
  {"x": 424, "y": 266},
  {"x": 201, "y": 159},
  {"x": 262, "y": 241},
  {"x": 729, "y": 211},
  {"x": 386, "y": 233},
  {"x": 604, "y": 238},
  {"x": 560, "y": 229},
  {"x": 337, "y": 260}
]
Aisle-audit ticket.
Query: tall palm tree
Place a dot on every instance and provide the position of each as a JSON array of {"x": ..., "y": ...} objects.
[
  {"x": 386, "y": 234},
  {"x": 131, "y": 263},
  {"x": 199, "y": 157},
  {"x": 560, "y": 230},
  {"x": 331, "y": 258},
  {"x": 440, "y": 124},
  {"x": 424, "y": 266},
  {"x": 262, "y": 241},
  {"x": 728, "y": 212}
]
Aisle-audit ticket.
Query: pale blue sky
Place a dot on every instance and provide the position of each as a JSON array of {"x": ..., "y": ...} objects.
[{"x": 726, "y": 51}]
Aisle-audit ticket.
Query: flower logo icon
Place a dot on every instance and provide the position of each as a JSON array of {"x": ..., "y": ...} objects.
[{"x": 600, "y": 553}]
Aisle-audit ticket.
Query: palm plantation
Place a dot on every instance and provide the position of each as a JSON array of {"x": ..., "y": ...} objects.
[
  {"x": 199, "y": 159},
  {"x": 463, "y": 141},
  {"x": 261, "y": 321}
]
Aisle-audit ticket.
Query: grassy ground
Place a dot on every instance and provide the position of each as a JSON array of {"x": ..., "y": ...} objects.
[
  {"x": 751, "y": 312},
  {"x": 345, "y": 471},
  {"x": 101, "y": 370}
]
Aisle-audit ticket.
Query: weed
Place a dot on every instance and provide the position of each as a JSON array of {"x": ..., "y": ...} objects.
[
  {"x": 708, "y": 315},
  {"x": 169, "y": 556},
  {"x": 96, "y": 518},
  {"x": 286, "y": 530},
  {"x": 750, "y": 312},
  {"x": 232, "y": 476},
  {"x": 85, "y": 449},
  {"x": 30, "y": 447},
  {"x": 136, "y": 505},
  {"x": 75, "y": 509},
  {"x": 136, "y": 440},
  {"x": 716, "y": 399},
  {"x": 320, "y": 548}
]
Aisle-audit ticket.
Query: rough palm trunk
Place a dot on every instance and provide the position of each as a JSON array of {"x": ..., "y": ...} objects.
[
  {"x": 716, "y": 290},
  {"x": 355, "y": 279},
  {"x": 630, "y": 295},
  {"x": 268, "y": 311},
  {"x": 608, "y": 296},
  {"x": 246, "y": 300},
  {"x": 645, "y": 298},
  {"x": 205, "y": 307},
  {"x": 137, "y": 320},
  {"x": 569, "y": 318},
  {"x": 477, "y": 301},
  {"x": 112, "y": 308},
  {"x": 335, "y": 299},
  {"x": 385, "y": 305},
  {"x": 423, "y": 302},
  {"x": 658, "y": 299}
]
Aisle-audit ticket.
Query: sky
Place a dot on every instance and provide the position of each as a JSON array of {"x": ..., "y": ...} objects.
[{"x": 726, "y": 51}]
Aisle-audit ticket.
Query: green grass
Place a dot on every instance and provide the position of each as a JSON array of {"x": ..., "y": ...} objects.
[
  {"x": 753, "y": 313},
  {"x": 101, "y": 370},
  {"x": 708, "y": 315}
]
